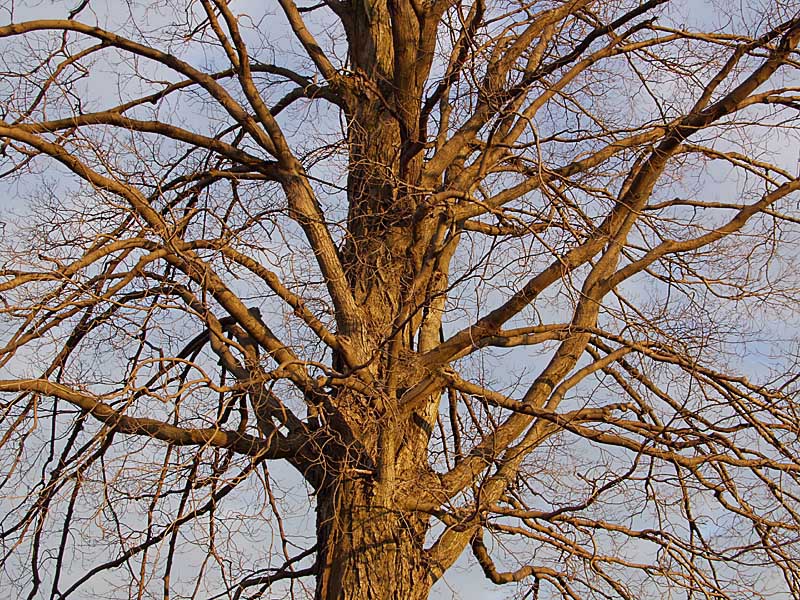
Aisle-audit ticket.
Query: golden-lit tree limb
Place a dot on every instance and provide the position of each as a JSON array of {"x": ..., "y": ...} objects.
[
  {"x": 497, "y": 71},
  {"x": 635, "y": 198},
  {"x": 674, "y": 246},
  {"x": 168, "y": 60},
  {"x": 186, "y": 259},
  {"x": 299, "y": 194},
  {"x": 309, "y": 43},
  {"x": 447, "y": 548},
  {"x": 278, "y": 446},
  {"x": 477, "y": 282},
  {"x": 495, "y": 576},
  {"x": 116, "y": 119}
]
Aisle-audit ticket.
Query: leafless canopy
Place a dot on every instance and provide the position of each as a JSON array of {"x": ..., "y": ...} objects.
[{"x": 316, "y": 300}]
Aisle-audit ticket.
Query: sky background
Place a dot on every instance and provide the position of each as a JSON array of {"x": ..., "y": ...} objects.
[{"x": 464, "y": 581}]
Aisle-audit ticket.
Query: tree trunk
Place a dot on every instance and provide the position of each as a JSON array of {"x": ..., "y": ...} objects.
[
  {"x": 368, "y": 551},
  {"x": 367, "y": 548}
]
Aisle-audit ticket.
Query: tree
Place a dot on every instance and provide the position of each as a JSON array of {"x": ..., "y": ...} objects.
[{"x": 511, "y": 280}]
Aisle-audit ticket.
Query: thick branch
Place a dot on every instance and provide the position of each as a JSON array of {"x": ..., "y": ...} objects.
[{"x": 276, "y": 447}]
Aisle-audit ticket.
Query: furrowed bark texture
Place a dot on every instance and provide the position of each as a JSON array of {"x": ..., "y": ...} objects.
[
  {"x": 498, "y": 302},
  {"x": 370, "y": 549}
]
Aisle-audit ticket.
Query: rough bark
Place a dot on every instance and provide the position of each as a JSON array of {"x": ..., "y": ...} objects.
[
  {"x": 368, "y": 549},
  {"x": 511, "y": 145}
]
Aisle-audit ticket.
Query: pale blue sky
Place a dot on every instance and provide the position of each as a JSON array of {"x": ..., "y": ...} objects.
[{"x": 464, "y": 581}]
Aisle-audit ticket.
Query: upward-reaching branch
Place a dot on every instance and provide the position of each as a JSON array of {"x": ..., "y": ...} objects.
[{"x": 472, "y": 269}]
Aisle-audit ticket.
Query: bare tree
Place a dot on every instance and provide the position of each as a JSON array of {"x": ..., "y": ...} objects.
[{"x": 514, "y": 280}]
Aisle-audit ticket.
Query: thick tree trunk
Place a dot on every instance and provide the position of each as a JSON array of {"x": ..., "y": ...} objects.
[{"x": 367, "y": 550}]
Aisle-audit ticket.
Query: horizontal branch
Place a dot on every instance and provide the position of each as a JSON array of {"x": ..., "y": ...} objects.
[
  {"x": 278, "y": 446},
  {"x": 217, "y": 91}
]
